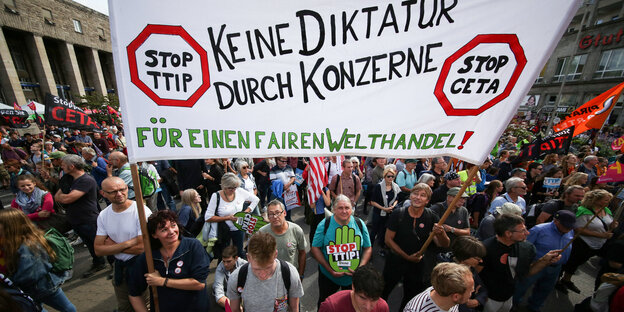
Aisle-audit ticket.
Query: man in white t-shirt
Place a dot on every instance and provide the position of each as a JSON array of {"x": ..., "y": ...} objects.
[
  {"x": 119, "y": 234},
  {"x": 452, "y": 285}
]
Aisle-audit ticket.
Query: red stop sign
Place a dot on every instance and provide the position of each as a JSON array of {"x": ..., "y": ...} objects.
[
  {"x": 516, "y": 50},
  {"x": 193, "y": 95}
]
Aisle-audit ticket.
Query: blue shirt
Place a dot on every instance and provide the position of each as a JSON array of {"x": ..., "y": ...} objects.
[
  {"x": 405, "y": 179},
  {"x": 546, "y": 237},
  {"x": 500, "y": 200}
]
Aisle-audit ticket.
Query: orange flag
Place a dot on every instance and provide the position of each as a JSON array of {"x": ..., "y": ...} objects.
[{"x": 593, "y": 114}]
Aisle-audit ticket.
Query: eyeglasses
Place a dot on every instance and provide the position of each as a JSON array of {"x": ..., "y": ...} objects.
[
  {"x": 522, "y": 187},
  {"x": 282, "y": 160},
  {"x": 244, "y": 167},
  {"x": 116, "y": 191},
  {"x": 229, "y": 188},
  {"x": 521, "y": 230},
  {"x": 392, "y": 177},
  {"x": 275, "y": 215}
]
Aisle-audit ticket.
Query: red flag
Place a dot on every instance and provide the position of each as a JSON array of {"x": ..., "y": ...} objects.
[
  {"x": 317, "y": 179},
  {"x": 593, "y": 114},
  {"x": 112, "y": 111},
  {"x": 16, "y": 107},
  {"x": 613, "y": 174},
  {"x": 32, "y": 106}
]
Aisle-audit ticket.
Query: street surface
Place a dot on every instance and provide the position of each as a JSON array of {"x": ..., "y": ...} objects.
[{"x": 96, "y": 293}]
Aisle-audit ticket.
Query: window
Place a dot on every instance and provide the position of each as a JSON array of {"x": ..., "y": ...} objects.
[
  {"x": 573, "y": 71},
  {"x": 101, "y": 34},
  {"x": 540, "y": 79},
  {"x": 77, "y": 26},
  {"x": 10, "y": 7},
  {"x": 47, "y": 17},
  {"x": 611, "y": 64},
  {"x": 560, "y": 67}
]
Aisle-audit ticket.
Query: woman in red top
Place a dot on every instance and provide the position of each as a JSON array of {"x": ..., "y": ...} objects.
[{"x": 33, "y": 198}]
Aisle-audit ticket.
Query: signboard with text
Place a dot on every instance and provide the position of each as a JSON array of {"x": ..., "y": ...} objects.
[{"x": 300, "y": 78}]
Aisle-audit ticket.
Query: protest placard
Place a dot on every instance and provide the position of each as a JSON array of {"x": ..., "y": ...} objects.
[{"x": 300, "y": 78}]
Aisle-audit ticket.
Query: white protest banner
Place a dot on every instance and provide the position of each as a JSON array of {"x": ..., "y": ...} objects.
[{"x": 301, "y": 78}]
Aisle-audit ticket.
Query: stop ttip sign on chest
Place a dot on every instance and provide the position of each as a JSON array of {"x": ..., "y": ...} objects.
[{"x": 266, "y": 79}]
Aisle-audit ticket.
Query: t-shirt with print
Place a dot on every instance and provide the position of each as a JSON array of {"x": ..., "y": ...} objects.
[
  {"x": 501, "y": 267},
  {"x": 121, "y": 226},
  {"x": 85, "y": 209},
  {"x": 289, "y": 243},
  {"x": 423, "y": 302},
  {"x": 458, "y": 219},
  {"x": 342, "y": 260},
  {"x": 265, "y": 295}
]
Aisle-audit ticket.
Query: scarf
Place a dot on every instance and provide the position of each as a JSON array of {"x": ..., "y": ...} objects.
[
  {"x": 30, "y": 204},
  {"x": 395, "y": 188},
  {"x": 586, "y": 211}
]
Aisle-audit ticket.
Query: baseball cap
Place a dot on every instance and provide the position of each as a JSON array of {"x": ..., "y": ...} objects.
[
  {"x": 509, "y": 208},
  {"x": 453, "y": 192},
  {"x": 451, "y": 176},
  {"x": 566, "y": 218},
  {"x": 411, "y": 160},
  {"x": 57, "y": 155}
]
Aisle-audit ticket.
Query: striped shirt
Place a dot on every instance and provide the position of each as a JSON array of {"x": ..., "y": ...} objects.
[{"x": 423, "y": 303}]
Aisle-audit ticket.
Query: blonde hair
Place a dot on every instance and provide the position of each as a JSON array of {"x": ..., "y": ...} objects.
[
  {"x": 593, "y": 196},
  {"x": 450, "y": 278},
  {"x": 388, "y": 169},
  {"x": 188, "y": 198},
  {"x": 16, "y": 229},
  {"x": 575, "y": 179}
]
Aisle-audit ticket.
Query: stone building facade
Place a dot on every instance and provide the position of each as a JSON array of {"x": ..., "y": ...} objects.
[
  {"x": 53, "y": 46},
  {"x": 589, "y": 57}
]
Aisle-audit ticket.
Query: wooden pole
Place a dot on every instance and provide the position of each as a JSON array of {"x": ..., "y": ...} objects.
[
  {"x": 138, "y": 197},
  {"x": 471, "y": 174},
  {"x": 577, "y": 233}
]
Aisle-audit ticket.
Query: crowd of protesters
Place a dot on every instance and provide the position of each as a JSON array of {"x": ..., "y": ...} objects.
[{"x": 507, "y": 242}]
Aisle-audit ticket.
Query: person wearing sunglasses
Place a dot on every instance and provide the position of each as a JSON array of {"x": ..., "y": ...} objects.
[
  {"x": 516, "y": 189},
  {"x": 384, "y": 199}
]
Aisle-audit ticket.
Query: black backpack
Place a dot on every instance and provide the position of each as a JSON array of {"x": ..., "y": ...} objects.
[
  {"x": 242, "y": 276},
  {"x": 358, "y": 221}
]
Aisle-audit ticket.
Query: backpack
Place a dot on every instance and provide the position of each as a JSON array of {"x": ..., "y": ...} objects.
[
  {"x": 532, "y": 212},
  {"x": 20, "y": 299},
  {"x": 63, "y": 250},
  {"x": 148, "y": 183},
  {"x": 242, "y": 276},
  {"x": 358, "y": 221}
]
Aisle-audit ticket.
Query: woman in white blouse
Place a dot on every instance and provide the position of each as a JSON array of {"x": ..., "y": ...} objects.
[{"x": 225, "y": 203}]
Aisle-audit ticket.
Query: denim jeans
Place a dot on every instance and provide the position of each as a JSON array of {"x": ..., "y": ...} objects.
[
  {"x": 164, "y": 198},
  {"x": 544, "y": 282},
  {"x": 238, "y": 238},
  {"x": 59, "y": 301},
  {"x": 87, "y": 231}
]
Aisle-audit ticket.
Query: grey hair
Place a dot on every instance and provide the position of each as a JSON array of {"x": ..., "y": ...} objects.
[
  {"x": 426, "y": 177},
  {"x": 341, "y": 198},
  {"x": 240, "y": 164},
  {"x": 88, "y": 150},
  {"x": 511, "y": 182},
  {"x": 354, "y": 160},
  {"x": 74, "y": 160},
  {"x": 229, "y": 180},
  {"x": 276, "y": 202},
  {"x": 590, "y": 158}
]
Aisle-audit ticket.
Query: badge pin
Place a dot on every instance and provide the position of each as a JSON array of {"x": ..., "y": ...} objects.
[
  {"x": 422, "y": 226},
  {"x": 180, "y": 263},
  {"x": 177, "y": 270}
]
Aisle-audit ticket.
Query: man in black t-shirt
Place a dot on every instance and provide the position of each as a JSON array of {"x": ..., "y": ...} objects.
[
  {"x": 81, "y": 206},
  {"x": 407, "y": 231},
  {"x": 570, "y": 200},
  {"x": 509, "y": 257}
]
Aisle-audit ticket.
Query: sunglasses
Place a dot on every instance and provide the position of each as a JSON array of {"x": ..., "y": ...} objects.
[{"x": 390, "y": 177}]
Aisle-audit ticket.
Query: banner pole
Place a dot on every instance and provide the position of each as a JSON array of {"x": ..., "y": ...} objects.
[
  {"x": 577, "y": 233},
  {"x": 138, "y": 197},
  {"x": 471, "y": 174}
]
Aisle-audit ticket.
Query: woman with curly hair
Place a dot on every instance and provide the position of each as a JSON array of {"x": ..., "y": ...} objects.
[
  {"x": 28, "y": 260},
  {"x": 592, "y": 237}
]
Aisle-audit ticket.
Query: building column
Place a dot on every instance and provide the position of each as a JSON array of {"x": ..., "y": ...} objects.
[
  {"x": 110, "y": 67},
  {"x": 8, "y": 75},
  {"x": 95, "y": 71},
  {"x": 41, "y": 64},
  {"x": 70, "y": 67}
]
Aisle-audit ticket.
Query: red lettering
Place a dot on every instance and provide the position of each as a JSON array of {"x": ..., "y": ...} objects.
[
  {"x": 55, "y": 113},
  {"x": 70, "y": 116},
  {"x": 597, "y": 40},
  {"x": 618, "y": 36},
  {"x": 545, "y": 146},
  {"x": 585, "y": 42}
]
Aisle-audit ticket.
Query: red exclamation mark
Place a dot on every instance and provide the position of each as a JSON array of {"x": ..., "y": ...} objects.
[{"x": 467, "y": 136}]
